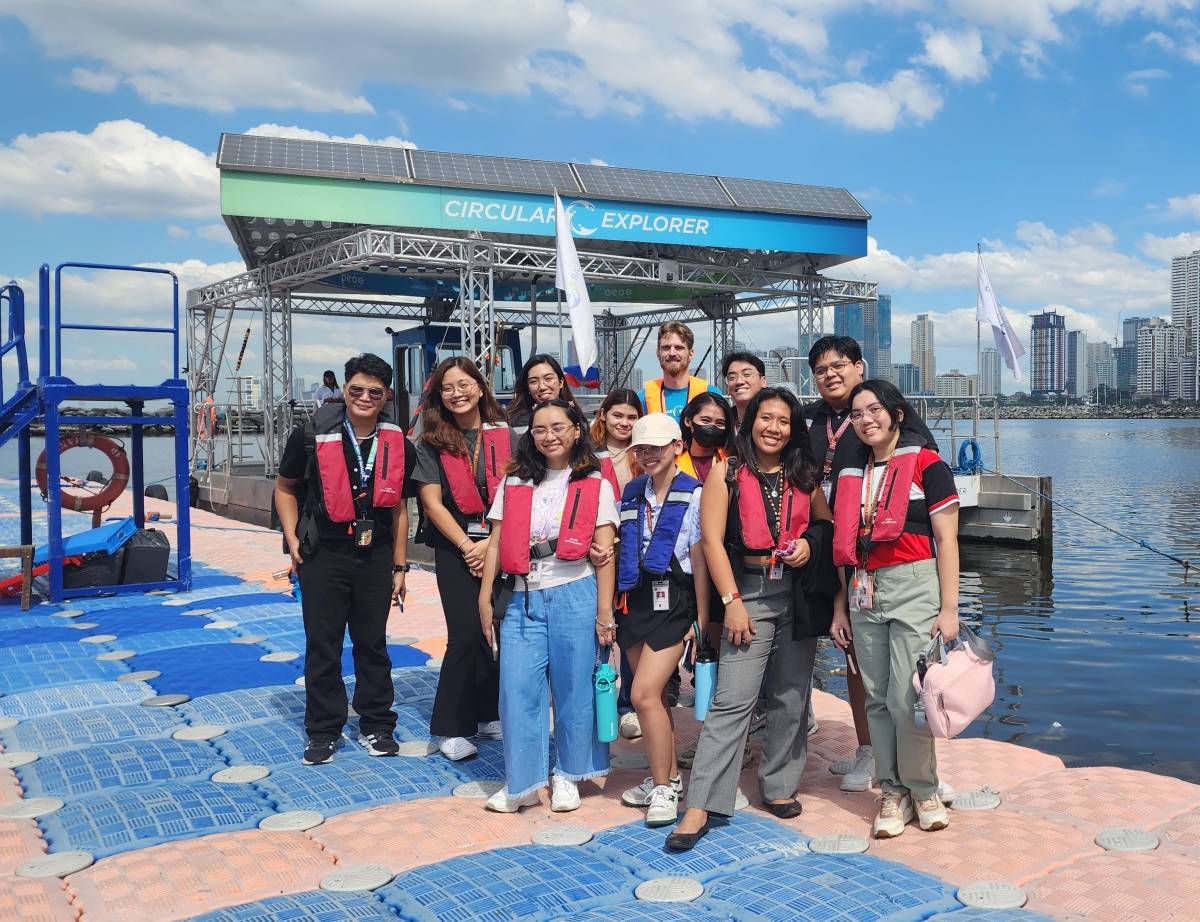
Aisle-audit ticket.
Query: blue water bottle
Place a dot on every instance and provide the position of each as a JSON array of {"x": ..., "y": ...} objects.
[
  {"x": 604, "y": 681},
  {"x": 295, "y": 579},
  {"x": 705, "y": 680}
]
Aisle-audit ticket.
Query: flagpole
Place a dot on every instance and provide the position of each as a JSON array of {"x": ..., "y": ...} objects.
[{"x": 978, "y": 345}]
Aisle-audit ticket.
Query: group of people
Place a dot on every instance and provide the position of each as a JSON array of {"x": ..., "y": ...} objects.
[{"x": 677, "y": 514}]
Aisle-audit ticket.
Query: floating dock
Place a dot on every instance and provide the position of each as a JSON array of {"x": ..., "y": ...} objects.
[{"x": 151, "y": 771}]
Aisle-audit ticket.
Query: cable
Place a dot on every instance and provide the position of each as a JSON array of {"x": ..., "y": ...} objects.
[{"x": 1186, "y": 564}]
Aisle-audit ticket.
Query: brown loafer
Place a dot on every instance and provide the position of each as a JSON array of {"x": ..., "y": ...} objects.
[{"x": 784, "y": 811}]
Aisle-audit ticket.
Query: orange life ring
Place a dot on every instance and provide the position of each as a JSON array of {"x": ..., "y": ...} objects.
[{"x": 92, "y": 502}]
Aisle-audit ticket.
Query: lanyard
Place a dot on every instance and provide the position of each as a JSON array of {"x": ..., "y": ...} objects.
[
  {"x": 871, "y": 494},
  {"x": 364, "y": 469},
  {"x": 831, "y": 443}
]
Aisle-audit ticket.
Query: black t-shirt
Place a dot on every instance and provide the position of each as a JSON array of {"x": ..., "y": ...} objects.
[{"x": 295, "y": 465}]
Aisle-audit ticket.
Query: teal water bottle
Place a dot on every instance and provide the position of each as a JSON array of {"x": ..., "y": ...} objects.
[
  {"x": 705, "y": 680},
  {"x": 604, "y": 681}
]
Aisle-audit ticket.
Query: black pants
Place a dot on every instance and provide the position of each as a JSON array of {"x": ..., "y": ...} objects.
[
  {"x": 345, "y": 587},
  {"x": 469, "y": 685}
]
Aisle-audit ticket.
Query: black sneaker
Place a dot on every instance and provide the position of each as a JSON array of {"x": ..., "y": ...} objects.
[
  {"x": 319, "y": 750},
  {"x": 379, "y": 744}
]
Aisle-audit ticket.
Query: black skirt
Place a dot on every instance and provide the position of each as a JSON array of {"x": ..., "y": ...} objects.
[{"x": 658, "y": 629}]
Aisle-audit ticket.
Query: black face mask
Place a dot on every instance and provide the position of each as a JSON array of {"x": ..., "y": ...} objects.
[{"x": 708, "y": 436}]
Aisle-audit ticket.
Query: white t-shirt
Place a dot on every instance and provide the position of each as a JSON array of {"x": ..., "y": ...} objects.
[
  {"x": 549, "y": 498},
  {"x": 324, "y": 393},
  {"x": 689, "y": 531}
]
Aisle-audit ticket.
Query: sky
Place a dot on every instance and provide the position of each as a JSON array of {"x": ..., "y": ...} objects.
[{"x": 1059, "y": 135}]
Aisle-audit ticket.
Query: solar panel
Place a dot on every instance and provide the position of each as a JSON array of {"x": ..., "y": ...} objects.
[
  {"x": 792, "y": 197},
  {"x": 647, "y": 185},
  {"x": 321, "y": 158},
  {"x": 492, "y": 172}
]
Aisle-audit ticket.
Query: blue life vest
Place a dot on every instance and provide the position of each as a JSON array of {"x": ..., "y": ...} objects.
[{"x": 657, "y": 561}]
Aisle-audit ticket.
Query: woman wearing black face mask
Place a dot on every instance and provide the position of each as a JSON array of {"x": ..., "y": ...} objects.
[{"x": 708, "y": 428}]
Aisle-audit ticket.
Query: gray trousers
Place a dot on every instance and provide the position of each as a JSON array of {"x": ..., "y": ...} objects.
[
  {"x": 782, "y": 668},
  {"x": 888, "y": 639}
]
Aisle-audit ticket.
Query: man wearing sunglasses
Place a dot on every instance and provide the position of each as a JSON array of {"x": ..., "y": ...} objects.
[
  {"x": 348, "y": 543},
  {"x": 837, "y": 368}
]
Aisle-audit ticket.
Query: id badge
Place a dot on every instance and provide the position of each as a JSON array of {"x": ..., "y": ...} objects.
[
  {"x": 364, "y": 532},
  {"x": 661, "y": 592},
  {"x": 776, "y": 571},
  {"x": 862, "y": 597},
  {"x": 827, "y": 489},
  {"x": 478, "y": 528},
  {"x": 535, "y": 572}
]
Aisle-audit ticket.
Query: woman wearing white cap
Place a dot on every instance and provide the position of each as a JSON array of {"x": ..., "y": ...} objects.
[
  {"x": 756, "y": 518},
  {"x": 659, "y": 570}
]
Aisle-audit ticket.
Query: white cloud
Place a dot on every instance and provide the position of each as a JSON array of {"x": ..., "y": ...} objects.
[
  {"x": 959, "y": 54},
  {"x": 1108, "y": 187},
  {"x": 1164, "y": 248},
  {"x": 119, "y": 168},
  {"x": 271, "y": 130},
  {"x": 175, "y": 232},
  {"x": 908, "y": 96},
  {"x": 1184, "y": 206},
  {"x": 1138, "y": 81},
  {"x": 217, "y": 233}
]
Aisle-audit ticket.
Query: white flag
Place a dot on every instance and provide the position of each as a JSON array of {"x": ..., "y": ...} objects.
[
  {"x": 988, "y": 311},
  {"x": 569, "y": 277}
]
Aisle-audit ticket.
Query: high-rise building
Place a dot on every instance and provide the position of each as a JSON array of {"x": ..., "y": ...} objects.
[
  {"x": 1077, "y": 377},
  {"x": 921, "y": 338},
  {"x": 1048, "y": 354},
  {"x": 907, "y": 377},
  {"x": 989, "y": 372},
  {"x": 882, "y": 338},
  {"x": 1101, "y": 366},
  {"x": 1160, "y": 345},
  {"x": 1130, "y": 328},
  {"x": 955, "y": 384},
  {"x": 1125, "y": 359},
  {"x": 1185, "y": 315},
  {"x": 869, "y": 323}
]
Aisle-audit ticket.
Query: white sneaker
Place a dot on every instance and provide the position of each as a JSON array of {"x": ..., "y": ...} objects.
[
  {"x": 931, "y": 813},
  {"x": 663, "y": 807},
  {"x": 630, "y": 726},
  {"x": 895, "y": 812},
  {"x": 502, "y": 802},
  {"x": 640, "y": 796},
  {"x": 813, "y": 726},
  {"x": 845, "y": 766},
  {"x": 564, "y": 794},
  {"x": 862, "y": 774},
  {"x": 946, "y": 792},
  {"x": 490, "y": 730},
  {"x": 455, "y": 748}
]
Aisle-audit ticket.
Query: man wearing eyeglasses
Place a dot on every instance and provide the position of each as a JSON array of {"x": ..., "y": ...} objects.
[
  {"x": 837, "y": 368},
  {"x": 745, "y": 375},
  {"x": 348, "y": 544}
]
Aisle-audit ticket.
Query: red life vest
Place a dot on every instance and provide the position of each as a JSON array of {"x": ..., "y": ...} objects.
[
  {"x": 889, "y": 516},
  {"x": 575, "y": 530},
  {"x": 609, "y": 473},
  {"x": 495, "y": 452},
  {"x": 387, "y": 481},
  {"x": 754, "y": 525}
]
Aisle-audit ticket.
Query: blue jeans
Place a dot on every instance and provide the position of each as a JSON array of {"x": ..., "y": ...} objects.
[{"x": 550, "y": 650}]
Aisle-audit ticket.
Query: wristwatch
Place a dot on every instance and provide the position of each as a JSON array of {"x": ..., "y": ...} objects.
[
  {"x": 400, "y": 568},
  {"x": 730, "y": 596}
]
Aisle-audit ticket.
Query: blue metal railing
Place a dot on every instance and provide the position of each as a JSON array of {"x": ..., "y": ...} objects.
[
  {"x": 59, "y": 325},
  {"x": 19, "y": 409},
  {"x": 12, "y": 295}
]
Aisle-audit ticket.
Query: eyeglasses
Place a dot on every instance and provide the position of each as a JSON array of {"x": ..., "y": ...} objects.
[
  {"x": 835, "y": 368},
  {"x": 640, "y": 450},
  {"x": 558, "y": 430},
  {"x": 357, "y": 390},
  {"x": 462, "y": 387},
  {"x": 549, "y": 378},
  {"x": 875, "y": 410},
  {"x": 748, "y": 375}
]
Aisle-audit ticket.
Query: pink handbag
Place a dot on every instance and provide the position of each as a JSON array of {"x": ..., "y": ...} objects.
[{"x": 954, "y": 684}]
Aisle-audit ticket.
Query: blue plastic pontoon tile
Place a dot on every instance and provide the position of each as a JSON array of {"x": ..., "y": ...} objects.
[
  {"x": 246, "y": 706},
  {"x": 90, "y": 726},
  {"x": 400, "y": 656},
  {"x": 353, "y": 779},
  {"x": 412, "y": 720},
  {"x": 310, "y": 906},
  {"x": 142, "y": 619},
  {"x": 241, "y": 600},
  {"x": 270, "y": 742},
  {"x": 742, "y": 842},
  {"x": 52, "y": 652},
  {"x": 972, "y": 914},
  {"x": 44, "y": 630},
  {"x": 120, "y": 821},
  {"x": 529, "y": 882},
  {"x": 215, "y": 668},
  {"x": 81, "y": 772},
  {"x": 215, "y": 579},
  {"x": 850, "y": 887},
  {"x": 487, "y": 765},
  {"x": 30, "y": 676},
  {"x": 277, "y": 624},
  {"x": 637, "y": 911},
  {"x": 414, "y": 683},
  {"x": 194, "y": 635},
  {"x": 44, "y": 701}
]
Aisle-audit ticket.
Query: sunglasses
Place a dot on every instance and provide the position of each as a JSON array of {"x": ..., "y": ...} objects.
[{"x": 357, "y": 390}]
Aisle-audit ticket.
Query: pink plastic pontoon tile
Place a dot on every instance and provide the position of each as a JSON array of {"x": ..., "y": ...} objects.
[
  {"x": 974, "y": 763},
  {"x": 188, "y": 878},
  {"x": 1144, "y": 887},
  {"x": 35, "y": 900},
  {"x": 1182, "y": 832},
  {"x": 19, "y": 841},
  {"x": 1100, "y": 797}
]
